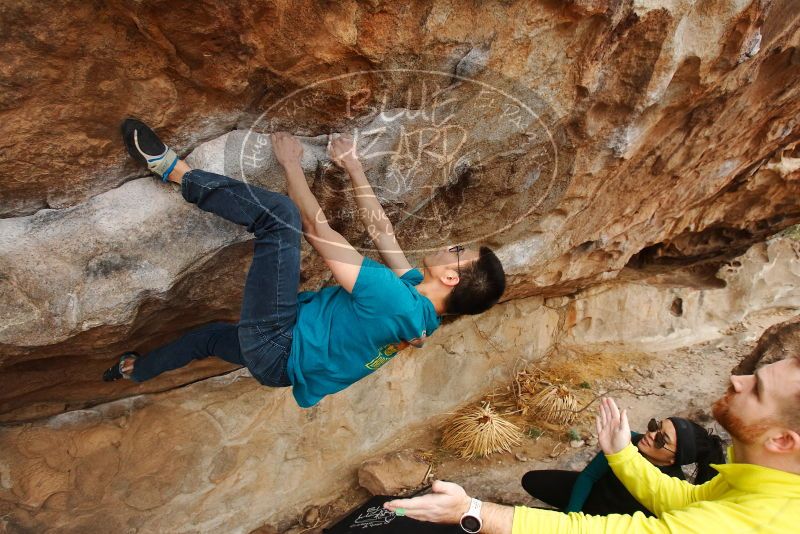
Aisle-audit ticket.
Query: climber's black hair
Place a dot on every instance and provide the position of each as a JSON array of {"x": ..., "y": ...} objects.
[{"x": 480, "y": 285}]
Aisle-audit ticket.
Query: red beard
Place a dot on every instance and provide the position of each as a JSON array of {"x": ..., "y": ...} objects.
[{"x": 738, "y": 429}]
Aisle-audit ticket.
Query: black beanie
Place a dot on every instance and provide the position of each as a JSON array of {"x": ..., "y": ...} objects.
[{"x": 686, "y": 448}]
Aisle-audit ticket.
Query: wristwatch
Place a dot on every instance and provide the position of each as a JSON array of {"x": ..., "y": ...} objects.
[{"x": 471, "y": 520}]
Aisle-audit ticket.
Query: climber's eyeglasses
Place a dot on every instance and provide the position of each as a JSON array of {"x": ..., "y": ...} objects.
[
  {"x": 660, "y": 440},
  {"x": 457, "y": 250}
]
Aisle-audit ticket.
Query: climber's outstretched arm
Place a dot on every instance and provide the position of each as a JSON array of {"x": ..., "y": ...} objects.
[
  {"x": 342, "y": 151},
  {"x": 341, "y": 257}
]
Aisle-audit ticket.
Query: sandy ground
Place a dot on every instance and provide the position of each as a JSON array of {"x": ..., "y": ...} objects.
[{"x": 682, "y": 382}]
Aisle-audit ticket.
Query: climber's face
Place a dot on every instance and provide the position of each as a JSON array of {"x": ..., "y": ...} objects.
[{"x": 448, "y": 263}]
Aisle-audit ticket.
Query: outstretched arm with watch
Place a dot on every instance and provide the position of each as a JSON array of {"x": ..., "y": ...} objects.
[{"x": 449, "y": 503}]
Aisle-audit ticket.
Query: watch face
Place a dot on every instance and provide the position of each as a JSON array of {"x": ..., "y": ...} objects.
[{"x": 470, "y": 524}]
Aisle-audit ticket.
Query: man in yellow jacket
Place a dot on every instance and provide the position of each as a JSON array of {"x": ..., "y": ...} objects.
[{"x": 757, "y": 491}]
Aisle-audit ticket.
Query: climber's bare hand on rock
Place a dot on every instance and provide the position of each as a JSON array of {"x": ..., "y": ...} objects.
[
  {"x": 342, "y": 151},
  {"x": 287, "y": 148}
]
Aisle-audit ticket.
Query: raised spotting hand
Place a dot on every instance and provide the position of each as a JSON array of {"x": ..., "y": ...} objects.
[{"x": 613, "y": 430}]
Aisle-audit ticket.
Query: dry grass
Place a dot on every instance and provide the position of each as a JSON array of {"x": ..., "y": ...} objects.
[
  {"x": 544, "y": 398},
  {"x": 554, "y": 404},
  {"x": 556, "y": 400},
  {"x": 562, "y": 395},
  {"x": 478, "y": 431}
]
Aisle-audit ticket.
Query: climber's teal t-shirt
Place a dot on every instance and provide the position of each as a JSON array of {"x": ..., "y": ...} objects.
[{"x": 341, "y": 337}]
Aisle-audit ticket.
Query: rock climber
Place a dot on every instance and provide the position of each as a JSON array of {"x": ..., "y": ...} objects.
[{"x": 318, "y": 342}]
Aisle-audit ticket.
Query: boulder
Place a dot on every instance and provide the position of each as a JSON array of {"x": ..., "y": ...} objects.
[
  {"x": 576, "y": 138},
  {"x": 395, "y": 473},
  {"x": 628, "y": 161}
]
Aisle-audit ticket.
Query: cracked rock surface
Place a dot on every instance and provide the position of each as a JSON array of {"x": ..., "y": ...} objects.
[{"x": 627, "y": 133}]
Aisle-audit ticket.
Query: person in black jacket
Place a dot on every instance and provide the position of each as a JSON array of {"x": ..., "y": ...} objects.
[{"x": 668, "y": 445}]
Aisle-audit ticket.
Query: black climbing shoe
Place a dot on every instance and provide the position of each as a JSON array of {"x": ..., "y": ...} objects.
[
  {"x": 115, "y": 371},
  {"x": 145, "y": 147}
]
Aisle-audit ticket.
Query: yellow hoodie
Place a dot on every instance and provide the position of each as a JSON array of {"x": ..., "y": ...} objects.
[{"x": 742, "y": 498}]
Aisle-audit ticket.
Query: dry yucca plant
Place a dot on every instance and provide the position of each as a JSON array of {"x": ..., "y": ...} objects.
[
  {"x": 554, "y": 403},
  {"x": 540, "y": 396},
  {"x": 479, "y": 431},
  {"x": 526, "y": 382}
]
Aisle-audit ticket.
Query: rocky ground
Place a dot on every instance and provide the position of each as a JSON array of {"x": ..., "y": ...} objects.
[{"x": 684, "y": 382}]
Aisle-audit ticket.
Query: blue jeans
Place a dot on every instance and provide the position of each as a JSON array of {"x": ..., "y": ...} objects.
[{"x": 262, "y": 339}]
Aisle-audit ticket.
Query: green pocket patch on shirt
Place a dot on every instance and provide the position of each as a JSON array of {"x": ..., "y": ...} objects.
[{"x": 385, "y": 354}]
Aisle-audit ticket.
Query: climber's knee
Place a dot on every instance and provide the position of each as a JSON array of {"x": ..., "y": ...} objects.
[
  {"x": 280, "y": 215},
  {"x": 286, "y": 212}
]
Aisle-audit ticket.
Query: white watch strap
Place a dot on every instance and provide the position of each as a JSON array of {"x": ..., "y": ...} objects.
[
  {"x": 475, "y": 513},
  {"x": 475, "y": 508}
]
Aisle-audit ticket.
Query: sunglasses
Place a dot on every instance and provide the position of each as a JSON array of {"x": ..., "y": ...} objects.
[
  {"x": 660, "y": 441},
  {"x": 457, "y": 250}
]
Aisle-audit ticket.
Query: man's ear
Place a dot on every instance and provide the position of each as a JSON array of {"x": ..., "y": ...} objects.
[
  {"x": 784, "y": 441},
  {"x": 449, "y": 278}
]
